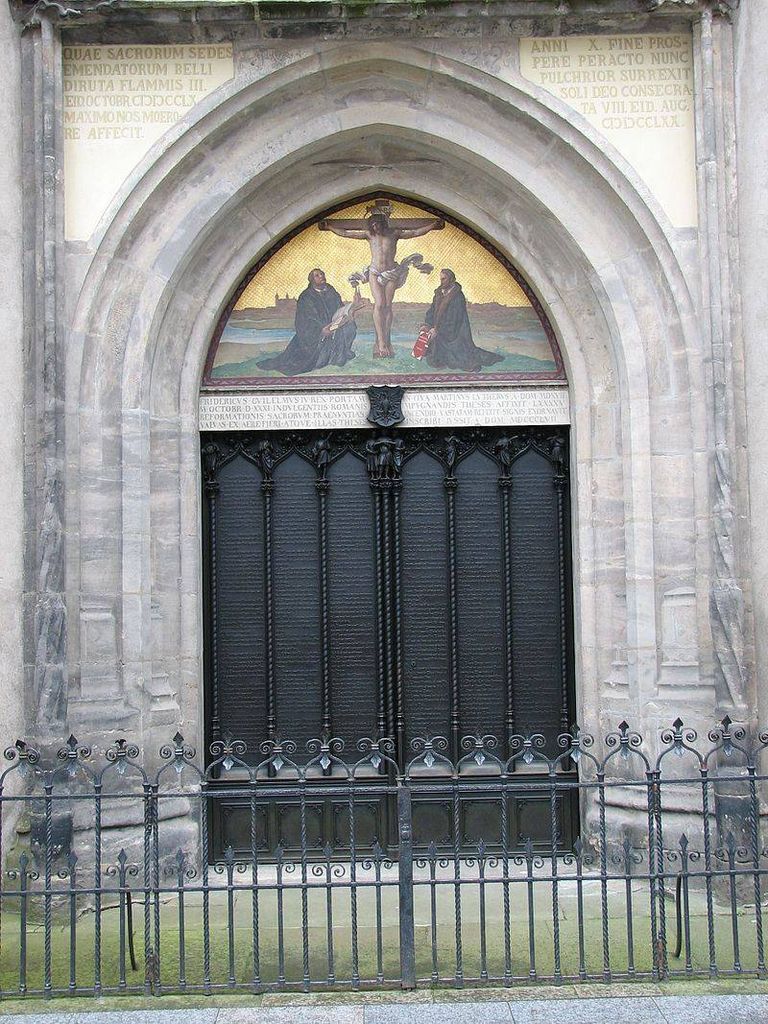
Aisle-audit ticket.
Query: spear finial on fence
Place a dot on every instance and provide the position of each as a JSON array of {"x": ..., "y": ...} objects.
[
  {"x": 72, "y": 752},
  {"x": 25, "y": 754},
  {"x": 178, "y": 753},
  {"x": 120, "y": 753}
]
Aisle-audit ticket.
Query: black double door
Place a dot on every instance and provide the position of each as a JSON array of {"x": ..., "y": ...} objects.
[{"x": 401, "y": 584}]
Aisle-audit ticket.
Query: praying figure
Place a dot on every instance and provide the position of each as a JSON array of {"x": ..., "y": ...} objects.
[
  {"x": 325, "y": 330},
  {"x": 449, "y": 336}
]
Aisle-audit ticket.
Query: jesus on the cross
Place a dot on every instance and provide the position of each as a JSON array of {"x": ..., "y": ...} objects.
[{"x": 384, "y": 274}]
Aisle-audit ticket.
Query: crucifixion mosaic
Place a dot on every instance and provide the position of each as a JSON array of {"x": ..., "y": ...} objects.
[{"x": 382, "y": 290}]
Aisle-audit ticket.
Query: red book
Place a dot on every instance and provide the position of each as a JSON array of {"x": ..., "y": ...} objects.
[{"x": 422, "y": 343}]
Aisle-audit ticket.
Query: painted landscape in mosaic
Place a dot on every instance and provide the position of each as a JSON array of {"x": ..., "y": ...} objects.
[{"x": 382, "y": 291}]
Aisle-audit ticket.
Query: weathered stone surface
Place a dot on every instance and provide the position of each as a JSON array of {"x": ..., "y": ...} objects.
[
  {"x": 12, "y": 512},
  {"x": 436, "y": 107},
  {"x": 751, "y": 40}
]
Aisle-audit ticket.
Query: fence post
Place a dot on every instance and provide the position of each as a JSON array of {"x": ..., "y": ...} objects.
[{"x": 405, "y": 886}]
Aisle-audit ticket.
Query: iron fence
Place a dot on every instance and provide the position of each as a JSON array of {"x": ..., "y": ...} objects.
[{"x": 379, "y": 876}]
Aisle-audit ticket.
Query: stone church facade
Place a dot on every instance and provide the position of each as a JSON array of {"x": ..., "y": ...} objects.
[{"x": 635, "y": 216}]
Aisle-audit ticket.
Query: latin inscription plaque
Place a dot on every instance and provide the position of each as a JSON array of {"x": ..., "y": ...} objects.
[
  {"x": 348, "y": 409},
  {"x": 637, "y": 90},
  {"x": 118, "y": 101}
]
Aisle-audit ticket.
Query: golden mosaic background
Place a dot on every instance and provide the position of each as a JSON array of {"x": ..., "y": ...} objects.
[{"x": 481, "y": 275}]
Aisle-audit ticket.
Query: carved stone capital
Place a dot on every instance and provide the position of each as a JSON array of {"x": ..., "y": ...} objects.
[
  {"x": 724, "y": 8},
  {"x": 30, "y": 14}
]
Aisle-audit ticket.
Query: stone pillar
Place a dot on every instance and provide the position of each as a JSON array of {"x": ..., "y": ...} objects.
[
  {"x": 45, "y": 614},
  {"x": 751, "y": 41},
  {"x": 720, "y": 323},
  {"x": 11, "y": 387}
]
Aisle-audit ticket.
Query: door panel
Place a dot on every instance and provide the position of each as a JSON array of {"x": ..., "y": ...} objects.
[
  {"x": 236, "y": 543},
  {"x": 352, "y": 600},
  {"x": 540, "y": 705},
  {"x": 480, "y": 586},
  {"x": 363, "y": 584},
  {"x": 298, "y": 648},
  {"x": 424, "y": 590}
]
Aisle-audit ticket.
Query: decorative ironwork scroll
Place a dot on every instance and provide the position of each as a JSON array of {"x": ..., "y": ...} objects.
[{"x": 489, "y": 890}]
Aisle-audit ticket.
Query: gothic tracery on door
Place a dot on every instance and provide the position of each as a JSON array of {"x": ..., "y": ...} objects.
[{"x": 397, "y": 584}]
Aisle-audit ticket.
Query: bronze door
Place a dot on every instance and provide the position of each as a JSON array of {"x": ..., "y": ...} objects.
[{"x": 396, "y": 584}]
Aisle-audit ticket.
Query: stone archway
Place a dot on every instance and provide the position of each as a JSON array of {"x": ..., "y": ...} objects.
[{"x": 188, "y": 225}]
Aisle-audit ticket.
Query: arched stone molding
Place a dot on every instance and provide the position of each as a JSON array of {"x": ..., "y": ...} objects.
[{"x": 591, "y": 245}]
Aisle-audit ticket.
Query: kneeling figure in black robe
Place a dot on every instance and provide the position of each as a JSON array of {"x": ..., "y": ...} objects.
[
  {"x": 312, "y": 346},
  {"x": 451, "y": 344}
]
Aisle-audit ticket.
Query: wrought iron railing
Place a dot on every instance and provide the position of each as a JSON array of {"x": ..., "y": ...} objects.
[{"x": 111, "y": 882}]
